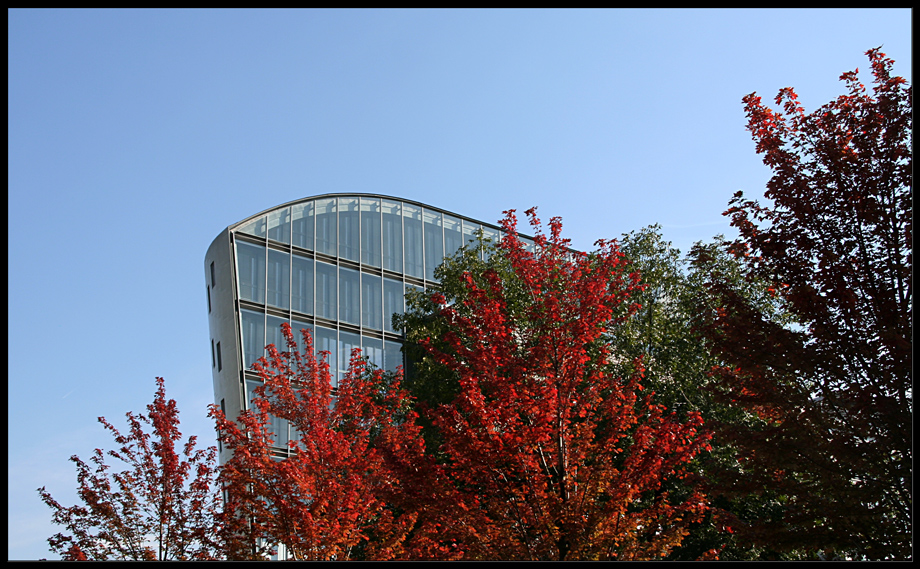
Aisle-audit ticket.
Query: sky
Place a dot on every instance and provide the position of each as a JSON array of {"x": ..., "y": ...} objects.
[{"x": 136, "y": 136}]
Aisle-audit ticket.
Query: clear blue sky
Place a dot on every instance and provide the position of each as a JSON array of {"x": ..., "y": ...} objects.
[{"x": 136, "y": 136}]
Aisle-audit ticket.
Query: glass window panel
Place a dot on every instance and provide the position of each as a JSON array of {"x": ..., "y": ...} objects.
[
  {"x": 392, "y": 355},
  {"x": 371, "y": 302},
  {"x": 277, "y": 427},
  {"x": 469, "y": 235},
  {"x": 326, "y": 288},
  {"x": 302, "y": 284},
  {"x": 279, "y": 225},
  {"x": 411, "y": 287},
  {"x": 273, "y": 334},
  {"x": 349, "y": 235},
  {"x": 528, "y": 244},
  {"x": 302, "y": 225},
  {"x": 370, "y": 232},
  {"x": 414, "y": 255},
  {"x": 453, "y": 235},
  {"x": 250, "y": 271},
  {"x": 393, "y": 302},
  {"x": 347, "y": 342},
  {"x": 279, "y": 431},
  {"x": 349, "y": 296},
  {"x": 253, "y": 332},
  {"x": 392, "y": 236},
  {"x": 255, "y": 227},
  {"x": 373, "y": 349},
  {"x": 325, "y": 226},
  {"x": 434, "y": 243},
  {"x": 492, "y": 237},
  {"x": 279, "y": 278},
  {"x": 325, "y": 341},
  {"x": 297, "y": 328}
]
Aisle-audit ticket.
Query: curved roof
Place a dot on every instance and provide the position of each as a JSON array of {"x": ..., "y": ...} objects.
[{"x": 242, "y": 222}]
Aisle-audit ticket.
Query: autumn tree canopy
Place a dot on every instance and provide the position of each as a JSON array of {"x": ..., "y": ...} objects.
[
  {"x": 552, "y": 455},
  {"x": 163, "y": 506},
  {"x": 832, "y": 389},
  {"x": 355, "y": 482}
]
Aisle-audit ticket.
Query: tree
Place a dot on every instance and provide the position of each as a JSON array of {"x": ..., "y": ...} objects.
[
  {"x": 355, "y": 484},
  {"x": 551, "y": 455},
  {"x": 663, "y": 331},
  {"x": 833, "y": 389},
  {"x": 163, "y": 506}
]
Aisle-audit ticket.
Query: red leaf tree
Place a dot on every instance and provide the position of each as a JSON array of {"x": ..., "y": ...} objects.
[
  {"x": 834, "y": 390},
  {"x": 163, "y": 506},
  {"x": 355, "y": 483},
  {"x": 552, "y": 456}
]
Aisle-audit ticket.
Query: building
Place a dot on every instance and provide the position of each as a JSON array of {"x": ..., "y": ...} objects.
[{"x": 335, "y": 264}]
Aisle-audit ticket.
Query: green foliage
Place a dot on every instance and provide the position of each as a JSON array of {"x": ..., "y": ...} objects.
[{"x": 664, "y": 331}]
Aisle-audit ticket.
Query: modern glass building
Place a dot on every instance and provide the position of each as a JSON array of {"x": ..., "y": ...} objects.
[{"x": 335, "y": 264}]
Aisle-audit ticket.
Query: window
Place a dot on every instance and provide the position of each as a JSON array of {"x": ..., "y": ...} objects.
[
  {"x": 453, "y": 235},
  {"x": 492, "y": 236},
  {"x": 434, "y": 243},
  {"x": 412, "y": 222},
  {"x": 277, "y": 427},
  {"x": 255, "y": 227},
  {"x": 220, "y": 364},
  {"x": 349, "y": 239},
  {"x": 223, "y": 409},
  {"x": 373, "y": 350},
  {"x": 302, "y": 225},
  {"x": 325, "y": 341},
  {"x": 302, "y": 284},
  {"x": 392, "y": 237},
  {"x": 371, "y": 298},
  {"x": 273, "y": 333},
  {"x": 279, "y": 278},
  {"x": 394, "y": 293},
  {"x": 370, "y": 232},
  {"x": 349, "y": 296},
  {"x": 326, "y": 287},
  {"x": 347, "y": 342},
  {"x": 297, "y": 328},
  {"x": 470, "y": 235},
  {"x": 253, "y": 332},
  {"x": 326, "y": 226},
  {"x": 212, "y": 273},
  {"x": 250, "y": 270},
  {"x": 209, "y": 297},
  {"x": 392, "y": 355},
  {"x": 279, "y": 225},
  {"x": 213, "y": 359}
]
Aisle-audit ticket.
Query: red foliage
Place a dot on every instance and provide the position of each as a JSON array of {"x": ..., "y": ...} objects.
[
  {"x": 833, "y": 392},
  {"x": 353, "y": 483},
  {"x": 552, "y": 456},
  {"x": 164, "y": 506}
]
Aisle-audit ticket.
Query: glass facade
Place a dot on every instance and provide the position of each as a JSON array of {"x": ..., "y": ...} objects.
[{"x": 335, "y": 265}]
